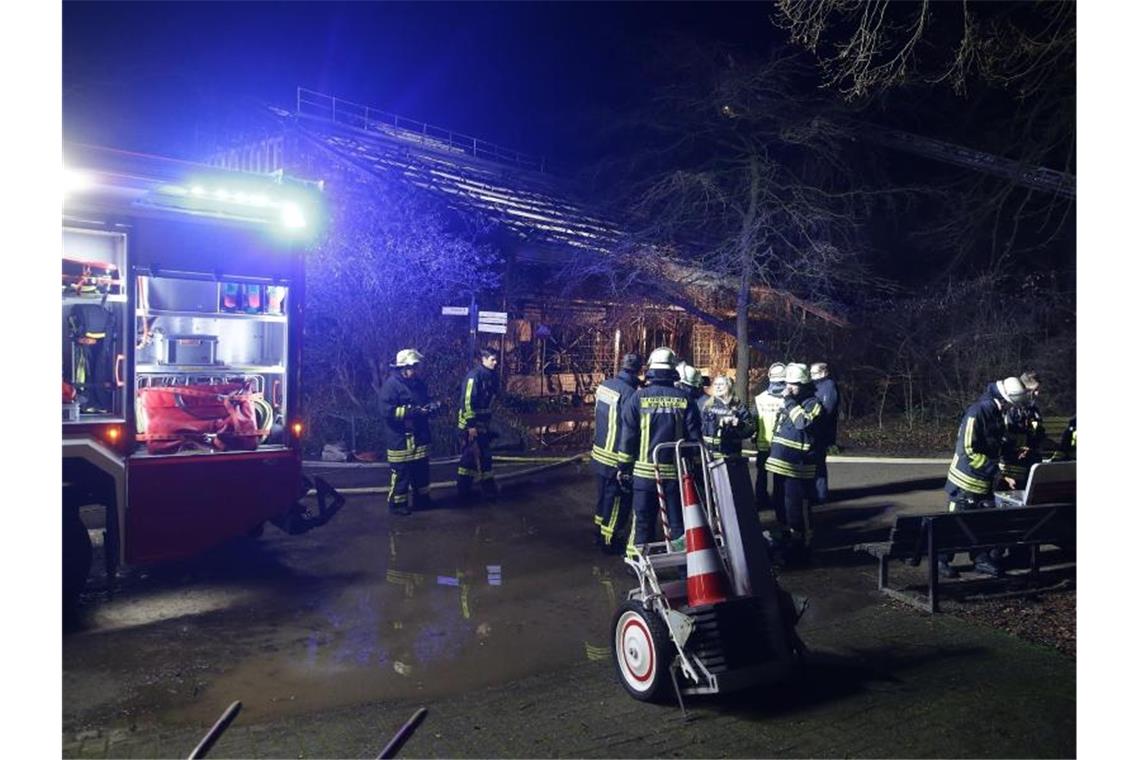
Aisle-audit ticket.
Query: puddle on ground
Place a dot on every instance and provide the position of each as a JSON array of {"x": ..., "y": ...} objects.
[{"x": 421, "y": 608}]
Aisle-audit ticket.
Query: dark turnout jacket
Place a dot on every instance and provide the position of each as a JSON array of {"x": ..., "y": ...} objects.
[
  {"x": 656, "y": 414},
  {"x": 828, "y": 394},
  {"x": 476, "y": 393},
  {"x": 609, "y": 397},
  {"x": 725, "y": 440},
  {"x": 978, "y": 447},
  {"x": 406, "y": 431},
  {"x": 794, "y": 443}
]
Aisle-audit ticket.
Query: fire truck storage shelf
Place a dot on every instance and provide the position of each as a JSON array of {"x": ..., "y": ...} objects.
[
  {"x": 217, "y": 369},
  {"x": 209, "y": 315}
]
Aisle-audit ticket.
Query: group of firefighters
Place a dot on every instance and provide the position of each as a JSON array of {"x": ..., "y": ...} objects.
[
  {"x": 793, "y": 428},
  {"x": 1001, "y": 436},
  {"x": 406, "y": 410}
]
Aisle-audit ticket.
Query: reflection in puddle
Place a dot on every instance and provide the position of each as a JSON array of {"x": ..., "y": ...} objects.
[{"x": 433, "y": 616}]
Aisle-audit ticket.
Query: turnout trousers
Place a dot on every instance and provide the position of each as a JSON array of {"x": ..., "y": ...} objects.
[
  {"x": 410, "y": 481},
  {"x": 791, "y": 502},
  {"x": 647, "y": 509},
  {"x": 611, "y": 515},
  {"x": 475, "y": 465},
  {"x": 820, "y": 487},
  {"x": 762, "y": 500}
]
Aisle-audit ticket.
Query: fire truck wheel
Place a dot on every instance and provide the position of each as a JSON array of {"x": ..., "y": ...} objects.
[
  {"x": 643, "y": 652},
  {"x": 76, "y": 555}
]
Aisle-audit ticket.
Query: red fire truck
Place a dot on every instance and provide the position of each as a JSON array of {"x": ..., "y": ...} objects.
[{"x": 183, "y": 291}]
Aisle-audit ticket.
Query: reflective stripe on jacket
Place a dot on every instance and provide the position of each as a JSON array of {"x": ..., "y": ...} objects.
[
  {"x": 476, "y": 393},
  {"x": 609, "y": 398},
  {"x": 654, "y": 415},
  {"x": 768, "y": 408},
  {"x": 725, "y": 440},
  {"x": 976, "y": 449},
  {"x": 794, "y": 440},
  {"x": 407, "y": 435}
]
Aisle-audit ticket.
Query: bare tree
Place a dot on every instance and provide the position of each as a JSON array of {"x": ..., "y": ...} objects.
[
  {"x": 375, "y": 285},
  {"x": 1017, "y": 63},
  {"x": 735, "y": 186},
  {"x": 864, "y": 46}
]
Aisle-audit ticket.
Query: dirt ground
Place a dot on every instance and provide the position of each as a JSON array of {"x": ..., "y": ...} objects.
[{"x": 1049, "y": 619}]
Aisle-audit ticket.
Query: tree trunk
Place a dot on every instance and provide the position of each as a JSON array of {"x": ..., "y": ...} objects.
[{"x": 743, "y": 297}]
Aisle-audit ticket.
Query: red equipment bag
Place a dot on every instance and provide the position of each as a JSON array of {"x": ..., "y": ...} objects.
[{"x": 199, "y": 416}]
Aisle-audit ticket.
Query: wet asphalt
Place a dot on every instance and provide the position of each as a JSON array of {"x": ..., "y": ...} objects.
[{"x": 510, "y": 599}]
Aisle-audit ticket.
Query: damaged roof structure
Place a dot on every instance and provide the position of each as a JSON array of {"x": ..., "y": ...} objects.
[{"x": 564, "y": 332}]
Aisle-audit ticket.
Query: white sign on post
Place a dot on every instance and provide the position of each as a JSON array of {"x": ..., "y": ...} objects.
[
  {"x": 493, "y": 322},
  {"x": 455, "y": 311}
]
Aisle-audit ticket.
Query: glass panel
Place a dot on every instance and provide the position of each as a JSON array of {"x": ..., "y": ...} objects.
[
  {"x": 94, "y": 317},
  {"x": 210, "y": 364}
]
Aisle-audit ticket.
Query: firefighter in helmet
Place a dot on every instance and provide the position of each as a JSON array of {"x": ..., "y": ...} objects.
[
  {"x": 970, "y": 479},
  {"x": 1023, "y": 440},
  {"x": 690, "y": 380},
  {"x": 792, "y": 463},
  {"x": 658, "y": 413},
  {"x": 768, "y": 406},
  {"x": 405, "y": 408},
  {"x": 478, "y": 390},
  {"x": 615, "y": 498}
]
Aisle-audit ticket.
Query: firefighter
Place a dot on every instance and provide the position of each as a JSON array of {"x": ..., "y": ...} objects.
[
  {"x": 725, "y": 422},
  {"x": 405, "y": 407},
  {"x": 970, "y": 480},
  {"x": 690, "y": 380},
  {"x": 828, "y": 394},
  {"x": 768, "y": 406},
  {"x": 792, "y": 464},
  {"x": 614, "y": 495},
  {"x": 478, "y": 390},
  {"x": 658, "y": 413},
  {"x": 1023, "y": 440}
]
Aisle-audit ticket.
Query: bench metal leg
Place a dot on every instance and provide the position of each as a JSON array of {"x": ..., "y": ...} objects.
[
  {"x": 882, "y": 573},
  {"x": 932, "y": 567},
  {"x": 1034, "y": 560}
]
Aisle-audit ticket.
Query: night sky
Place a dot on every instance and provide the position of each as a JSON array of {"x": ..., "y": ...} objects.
[{"x": 150, "y": 76}]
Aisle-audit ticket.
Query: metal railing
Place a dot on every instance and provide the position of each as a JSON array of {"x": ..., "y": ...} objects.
[{"x": 317, "y": 105}]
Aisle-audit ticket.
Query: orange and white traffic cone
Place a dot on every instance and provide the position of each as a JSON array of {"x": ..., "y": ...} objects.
[{"x": 706, "y": 583}]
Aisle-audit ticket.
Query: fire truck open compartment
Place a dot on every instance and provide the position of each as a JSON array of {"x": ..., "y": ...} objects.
[
  {"x": 197, "y": 331},
  {"x": 94, "y": 316},
  {"x": 181, "y": 329}
]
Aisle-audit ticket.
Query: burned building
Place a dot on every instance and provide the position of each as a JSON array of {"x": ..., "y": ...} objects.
[{"x": 566, "y": 326}]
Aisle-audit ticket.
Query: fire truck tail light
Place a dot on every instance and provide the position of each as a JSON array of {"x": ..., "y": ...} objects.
[
  {"x": 298, "y": 428},
  {"x": 113, "y": 434}
]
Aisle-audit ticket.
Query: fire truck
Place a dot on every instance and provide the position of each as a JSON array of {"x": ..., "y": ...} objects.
[{"x": 182, "y": 296}]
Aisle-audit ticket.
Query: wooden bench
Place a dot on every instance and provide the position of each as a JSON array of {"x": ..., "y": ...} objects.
[{"x": 928, "y": 535}]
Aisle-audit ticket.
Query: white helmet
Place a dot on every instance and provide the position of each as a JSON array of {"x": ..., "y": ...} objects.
[
  {"x": 1013, "y": 391},
  {"x": 690, "y": 376},
  {"x": 662, "y": 358},
  {"x": 408, "y": 357},
  {"x": 776, "y": 372},
  {"x": 797, "y": 374},
  {"x": 818, "y": 370}
]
